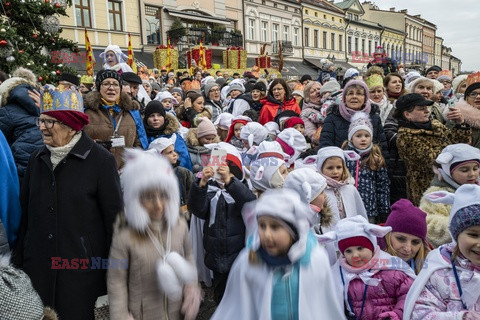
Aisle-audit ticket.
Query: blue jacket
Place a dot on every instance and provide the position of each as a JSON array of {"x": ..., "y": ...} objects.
[{"x": 17, "y": 121}]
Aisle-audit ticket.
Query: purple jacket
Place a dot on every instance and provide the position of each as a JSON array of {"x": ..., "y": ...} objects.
[{"x": 382, "y": 301}]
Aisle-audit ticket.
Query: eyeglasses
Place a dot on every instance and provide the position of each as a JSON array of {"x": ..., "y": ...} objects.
[
  {"x": 107, "y": 85},
  {"x": 215, "y": 90},
  {"x": 474, "y": 94},
  {"x": 48, "y": 123}
]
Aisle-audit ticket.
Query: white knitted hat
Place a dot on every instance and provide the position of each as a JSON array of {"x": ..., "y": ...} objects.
[
  {"x": 161, "y": 144},
  {"x": 162, "y": 95},
  {"x": 458, "y": 79},
  {"x": 328, "y": 152},
  {"x": 360, "y": 121},
  {"x": 455, "y": 153},
  {"x": 295, "y": 140},
  {"x": 224, "y": 121},
  {"x": 307, "y": 182},
  {"x": 254, "y": 133}
]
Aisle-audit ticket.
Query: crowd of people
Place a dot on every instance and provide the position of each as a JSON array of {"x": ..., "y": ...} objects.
[{"x": 288, "y": 199}]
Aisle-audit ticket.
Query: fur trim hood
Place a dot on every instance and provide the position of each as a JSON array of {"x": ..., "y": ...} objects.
[
  {"x": 144, "y": 170},
  {"x": 93, "y": 101},
  {"x": 49, "y": 314},
  {"x": 172, "y": 126},
  {"x": 26, "y": 74},
  {"x": 470, "y": 113},
  {"x": 192, "y": 140},
  {"x": 326, "y": 216},
  {"x": 8, "y": 85}
]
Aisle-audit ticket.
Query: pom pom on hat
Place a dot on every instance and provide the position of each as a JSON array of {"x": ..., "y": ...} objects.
[
  {"x": 205, "y": 127},
  {"x": 359, "y": 121},
  {"x": 307, "y": 182},
  {"x": 465, "y": 210},
  {"x": 407, "y": 218}
]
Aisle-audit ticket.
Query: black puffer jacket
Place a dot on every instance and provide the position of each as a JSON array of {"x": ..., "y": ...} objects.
[
  {"x": 335, "y": 129},
  {"x": 225, "y": 238},
  {"x": 17, "y": 121}
]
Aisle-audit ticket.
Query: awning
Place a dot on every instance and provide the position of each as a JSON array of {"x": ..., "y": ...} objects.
[
  {"x": 196, "y": 17},
  {"x": 344, "y": 65},
  {"x": 314, "y": 62}
]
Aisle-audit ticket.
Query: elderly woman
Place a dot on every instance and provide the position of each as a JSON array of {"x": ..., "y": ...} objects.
[
  {"x": 213, "y": 101},
  {"x": 311, "y": 113},
  {"x": 70, "y": 197},
  {"x": 113, "y": 117},
  {"x": 278, "y": 99},
  {"x": 421, "y": 139},
  {"x": 426, "y": 87},
  {"x": 356, "y": 98}
]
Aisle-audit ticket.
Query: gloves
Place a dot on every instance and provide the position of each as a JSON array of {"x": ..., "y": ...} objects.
[{"x": 191, "y": 301}]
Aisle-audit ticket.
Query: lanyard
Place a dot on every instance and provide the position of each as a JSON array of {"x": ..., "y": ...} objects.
[
  {"x": 348, "y": 296},
  {"x": 458, "y": 284},
  {"x": 113, "y": 120}
]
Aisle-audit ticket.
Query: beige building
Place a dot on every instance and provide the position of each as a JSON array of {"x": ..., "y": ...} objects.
[
  {"x": 438, "y": 51},
  {"x": 455, "y": 65},
  {"x": 324, "y": 32},
  {"x": 429, "y": 30},
  {"x": 446, "y": 54},
  {"x": 413, "y": 41}
]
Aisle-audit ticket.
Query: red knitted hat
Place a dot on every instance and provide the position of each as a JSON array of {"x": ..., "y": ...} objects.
[
  {"x": 74, "y": 119},
  {"x": 355, "y": 242},
  {"x": 293, "y": 121}
]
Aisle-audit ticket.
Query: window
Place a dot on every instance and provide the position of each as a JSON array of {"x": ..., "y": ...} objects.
[
  {"x": 369, "y": 47},
  {"x": 325, "y": 16},
  {"x": 341, "y": 21},
  {"x": 286, "y": 31},
  {"x": 286, "y": 8},
  {"x": 251, "y": 29},
  {"x": 324, "y": 39},
  {"x": 376, "y": 45},
  {"x": 263, "y": 2},
  {"x": 274, "y": 5},
  {"x": 306, "y": 11},
  {"x": 275, "y": 32},
  {"x": 316, "y": 14},
  {"x": 306, "y": 42},
  {"x": 355, "y": 17},
  {"x": 295, "y": 36},
  {"x": 349, "y": 16},
  {"x": 349, "y": 45},
  {"x": 315, "y": 38},
  {"x": 340, "y": 42},
  {"x": 332, "y": 40},
  {"x": 115, "y": 15},
  {"x": 333, "y": 19},
  {"x": 363, "y": 46},
  {"x": 154, "y": 33},
  {"x": 356, "y": 45},
  {"x": 264, "y": 31},
  {"x": 82, "y": 13}
]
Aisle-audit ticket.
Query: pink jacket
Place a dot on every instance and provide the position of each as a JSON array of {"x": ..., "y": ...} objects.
[
  {"x": 384, "y": 300},
  {"x": 439, "y": 298}
]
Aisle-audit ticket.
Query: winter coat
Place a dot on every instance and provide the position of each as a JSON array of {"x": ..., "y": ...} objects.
[
  {"x": 17, "y": 121},
  {"x": 373, "y": 186},
  {"x": 313, "y": 118},
  {"x": 438, "y": 214},
  {"x": 192, "y": 116},
  {"x": 223, "y": 238},
  {"x": 214, "y": 107},
  {"x": 10, "y": 210},
  {"x": 335, "y": 129},
  {"x": 385, "y": 300},
  {"x": 420, "y": 147},
  {"x": 101, "y": 127},
  {"x": 185, "y": 181},
  {"x": 68, "y": 213},
  {"x": 199, "y": 155},
  {"x": 271, "y": 108},
  {"x": 472, "y": 118},
  {"x": 435, "y": 295},
  {"x": 133, "y": 286},
  {"x": 179, "y": 146},
  {"x": 240, "y": 104}
]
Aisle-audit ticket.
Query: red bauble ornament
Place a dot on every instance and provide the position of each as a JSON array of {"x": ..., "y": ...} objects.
[
  {"x": 57, "y": 5},
  {"x": 40, "y": 79},
  {"x": 53, "y": 40},
  {"x": 7, "y": 4},
  {"x": 20, "y": 51},
  {"x": 57, "y": 72},
  {"x": 34, "y": 36},
  {"x": 3, "y": 43},
  {"x": 47, "y": 1}
]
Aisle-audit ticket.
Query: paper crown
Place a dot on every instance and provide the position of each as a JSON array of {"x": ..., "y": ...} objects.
[
  {"x": 86, "y": 79},
  {"x": 375, "y": 80},
  {"x": 59, "y": 99},
  {"x": 473, "y": 78},
  {"x": 447, "y": 73}
]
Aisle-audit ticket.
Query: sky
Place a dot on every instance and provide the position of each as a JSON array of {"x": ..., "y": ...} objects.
[{"x": 458, "y": 23}]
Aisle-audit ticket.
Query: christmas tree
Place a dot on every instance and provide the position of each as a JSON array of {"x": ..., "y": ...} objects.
[{"x": 30, "y": 34}]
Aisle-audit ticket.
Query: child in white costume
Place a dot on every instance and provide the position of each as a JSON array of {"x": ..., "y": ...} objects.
[
  {"x": 282, "y": 271},
  {"x": 449, "y": 286}
]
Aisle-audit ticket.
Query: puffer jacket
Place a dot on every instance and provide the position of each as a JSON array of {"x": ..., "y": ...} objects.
[
  {"x": 224, "y": 238},
  {"x": 438, "y": 214},
  {"x": 313, "y": 118},
  {"x": 214, "y": 107},
  {"x": 101, "y": 127},
  {"x": 271, "y": 108},
  {"x": 17, "y": 121},
  {"x": 420, "y": 147},
  {"x": 335, "y": 129},
  {"x": 199, "y": 155},
  {"x": 171, "y": 129}
]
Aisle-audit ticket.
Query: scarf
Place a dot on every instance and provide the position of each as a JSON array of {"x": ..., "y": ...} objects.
[
  {"x": 334, "y": 184},
  {"x": 415, "y": 125},
  {"x": 152, "y": 132},
  {"x": 393, "y": 95},
  {"x": 361, "y": 152},
  {"x": 57, "y": 154},
  {"x": 110, "y": 104},
  {"x": 213, "y": 203},
  {"x": 447, "y": 93},
  {"x": 348, "y": 113},
  {"x": 273, "y": 261},
  {"x": 311, "y": 105},
  {"x": 385, "y": 108},
  {"x": 363, "y": 272}
]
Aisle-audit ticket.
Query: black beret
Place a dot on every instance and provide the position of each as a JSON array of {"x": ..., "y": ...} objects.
[{"x": 70, "y": 78}]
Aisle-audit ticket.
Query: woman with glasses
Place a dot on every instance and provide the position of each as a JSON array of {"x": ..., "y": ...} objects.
[
  {"x": 213, "y": 101},
  {"x": 17, "y": 117},
  {"x": 279, "y": 98},
  {"x": 114, "y": 119},
  {"x": 355, "y": 98},
  {"x": 70, "y": 197},
  {"x": 469, "y": 106}
]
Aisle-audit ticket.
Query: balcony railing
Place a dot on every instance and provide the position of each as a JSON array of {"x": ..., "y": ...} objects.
[
  {"x": 287, "y": 48},
  {"x": 194, "y": 35}
]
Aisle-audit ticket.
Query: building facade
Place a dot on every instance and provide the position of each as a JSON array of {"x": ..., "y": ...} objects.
[
  {"x": 429, "y": 30},
  {"x": 446, "y": 54},
  {"x": 413, "y": 56},
  {"x": 438, "y": 50}
]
